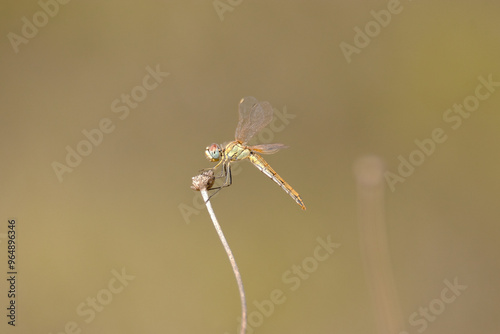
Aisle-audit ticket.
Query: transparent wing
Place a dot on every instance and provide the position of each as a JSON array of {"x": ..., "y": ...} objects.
[
  {"x": 254, "y": 116},
  {"x": 267, "y": 148}
]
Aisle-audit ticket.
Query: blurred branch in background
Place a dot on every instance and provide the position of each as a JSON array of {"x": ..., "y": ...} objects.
[{"x": 369, "y": 174}]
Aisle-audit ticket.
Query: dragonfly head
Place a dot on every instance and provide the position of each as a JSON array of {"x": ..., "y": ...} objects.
[{"x": 213, "y": 152}]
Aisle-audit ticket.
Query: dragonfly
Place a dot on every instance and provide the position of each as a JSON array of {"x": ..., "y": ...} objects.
[{"x": 253, "y": 117}]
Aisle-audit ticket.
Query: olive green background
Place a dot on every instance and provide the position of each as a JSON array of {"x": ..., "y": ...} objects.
[{"x": 128, "y": 204}]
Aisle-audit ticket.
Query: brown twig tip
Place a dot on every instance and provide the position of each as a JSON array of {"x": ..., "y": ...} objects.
[{"x": 203, "y": 181}]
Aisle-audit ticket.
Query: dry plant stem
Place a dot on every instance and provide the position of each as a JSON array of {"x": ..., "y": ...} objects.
[{"x": 205, "y": 196}]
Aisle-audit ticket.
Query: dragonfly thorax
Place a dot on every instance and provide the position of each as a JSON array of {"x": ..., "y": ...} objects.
[{"x": 213, "y": 152}]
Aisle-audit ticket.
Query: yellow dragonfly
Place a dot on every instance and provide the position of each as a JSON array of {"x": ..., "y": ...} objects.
[{"x": 254, "y": 116}]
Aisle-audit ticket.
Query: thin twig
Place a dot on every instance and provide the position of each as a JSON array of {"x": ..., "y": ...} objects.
[{"x": 202, "y": 183}]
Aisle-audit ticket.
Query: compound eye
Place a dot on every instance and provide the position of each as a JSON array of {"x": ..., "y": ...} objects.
[{"x": 213, "y": 152}]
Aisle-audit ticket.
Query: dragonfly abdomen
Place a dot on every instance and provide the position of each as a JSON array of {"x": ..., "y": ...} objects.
[{"x": 265, "y": 168}]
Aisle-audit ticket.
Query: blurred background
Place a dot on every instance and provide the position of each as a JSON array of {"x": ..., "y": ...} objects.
[{"x": 107, "y": 108}]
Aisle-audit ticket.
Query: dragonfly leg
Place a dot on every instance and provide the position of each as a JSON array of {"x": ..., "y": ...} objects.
[
  {"x": 226, "y": 171},
  {"x": 229, "y": 176},
  {"x": 221, "y": 175}
]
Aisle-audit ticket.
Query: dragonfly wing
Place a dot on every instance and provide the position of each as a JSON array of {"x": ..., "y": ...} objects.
[
  {"x": 254, "y": 116},
  {"x": 267, "y": 148}
]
